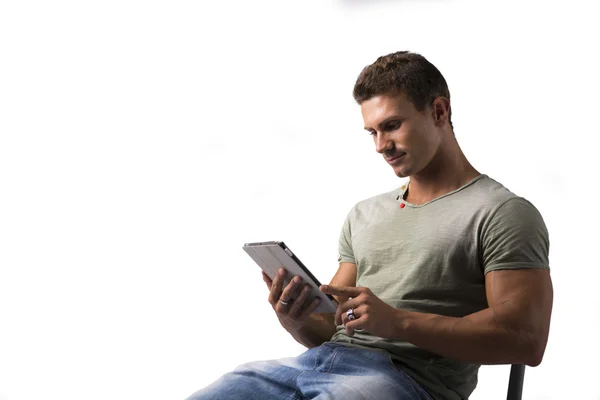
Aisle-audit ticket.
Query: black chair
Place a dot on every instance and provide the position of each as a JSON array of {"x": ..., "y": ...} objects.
[{"x": 515, "y": 382}]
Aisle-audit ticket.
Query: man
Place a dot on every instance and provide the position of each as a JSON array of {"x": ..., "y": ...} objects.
[{"x": 447, "y": 272}]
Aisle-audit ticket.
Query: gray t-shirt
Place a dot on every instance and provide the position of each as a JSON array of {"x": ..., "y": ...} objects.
[{"x": 432, "y": 258}]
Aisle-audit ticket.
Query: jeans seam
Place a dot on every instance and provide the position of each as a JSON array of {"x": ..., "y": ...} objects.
[
  {"x": 300, "y": 395},
  {"x": 336, "y": 353},
  {"x": 314, "y": 367}
]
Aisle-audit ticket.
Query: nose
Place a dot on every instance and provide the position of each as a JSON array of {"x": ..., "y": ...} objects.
[{"x": 382, "y": 143}]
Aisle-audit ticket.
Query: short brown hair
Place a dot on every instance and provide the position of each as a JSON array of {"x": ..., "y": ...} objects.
[{"x": 409, "y": 73}]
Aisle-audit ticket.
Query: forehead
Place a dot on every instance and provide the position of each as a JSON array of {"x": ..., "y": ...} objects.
[{"x": 378, "y": 108}]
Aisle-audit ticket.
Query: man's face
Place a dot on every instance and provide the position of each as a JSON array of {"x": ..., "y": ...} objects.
[{"x": 398, "y": 129}]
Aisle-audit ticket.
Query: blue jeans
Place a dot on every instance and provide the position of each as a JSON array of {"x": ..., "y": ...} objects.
[{"x": 330, "y": 371}]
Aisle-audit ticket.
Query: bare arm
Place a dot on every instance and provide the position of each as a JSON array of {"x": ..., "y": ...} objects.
[{"x": 512, "y": 330}]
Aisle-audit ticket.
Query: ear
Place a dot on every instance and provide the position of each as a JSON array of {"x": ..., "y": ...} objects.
[{"x": 441, "y": 110}]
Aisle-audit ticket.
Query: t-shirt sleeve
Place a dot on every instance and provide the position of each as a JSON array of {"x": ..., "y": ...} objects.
[
  {"x": 346, "y": 254},
  {"x": 515, "y": 237}
]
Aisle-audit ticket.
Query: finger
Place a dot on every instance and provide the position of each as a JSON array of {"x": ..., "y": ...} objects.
[
  {"x": 300, "y": 301},
  {"x": 350, "y": 328},
  {"x": 275, "y": 293},
  {"x": 344, "y": 307},
  {"x": 287, "y": 295},
  {"x": 346, "y": 291},
  {"x": 347, "y": 320},
  {"x": 281, "y": 308},
  {"x": 267, "y": 280},
  {"x": 344, "y": 317},
  {"x": 312, "y": 307},
  {"x": 352, "y": 302},
  {"x": 292, "y": 287}
]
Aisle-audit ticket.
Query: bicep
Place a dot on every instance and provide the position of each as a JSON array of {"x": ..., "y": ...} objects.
[{"x": 522, "y": 299}]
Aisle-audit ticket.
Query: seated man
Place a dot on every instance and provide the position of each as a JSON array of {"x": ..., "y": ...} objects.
[{"x": 441, "y": 275}]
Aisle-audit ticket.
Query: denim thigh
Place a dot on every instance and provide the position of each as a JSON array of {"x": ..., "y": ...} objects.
[{"x": 330, "y": 371}]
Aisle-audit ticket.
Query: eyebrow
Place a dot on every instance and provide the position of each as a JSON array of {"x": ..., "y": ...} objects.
[{"x": 385, "y": 121}]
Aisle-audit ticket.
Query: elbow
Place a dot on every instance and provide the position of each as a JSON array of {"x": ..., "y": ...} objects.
[
  {"x": 536, "y": 353},
  {"x": 528, "y": 346},
  {"x": 534, "y": 361}
]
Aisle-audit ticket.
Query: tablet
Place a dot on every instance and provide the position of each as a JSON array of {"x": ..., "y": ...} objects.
[{"x": 270, "y": 256}]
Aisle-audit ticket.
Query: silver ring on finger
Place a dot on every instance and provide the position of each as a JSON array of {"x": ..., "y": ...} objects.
[
  {"x": 285, "y": 303},
  {"x": 350, "y": 315}
]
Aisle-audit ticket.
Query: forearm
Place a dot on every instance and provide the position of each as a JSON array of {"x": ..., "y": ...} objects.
[
  {"x": 480, "y": 338},
  {"x": 319, "y": 329}
]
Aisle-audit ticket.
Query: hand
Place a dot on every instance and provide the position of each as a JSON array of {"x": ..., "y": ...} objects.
[
  {"x": 371, "y": 313},
  {"x": 294, "y": 315}
]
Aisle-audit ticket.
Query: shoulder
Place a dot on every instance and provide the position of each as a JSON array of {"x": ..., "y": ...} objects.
[
  {"x": 512, "y": 233},
  {"x": 487, "y": 197},
  {"x": 513, "y": 221},
  {"x": 489, "y": 191},
  {"x": 500, "y": 201}
]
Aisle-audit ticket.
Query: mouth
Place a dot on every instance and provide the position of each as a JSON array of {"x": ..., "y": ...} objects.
[{"x": 395, "y": 159}]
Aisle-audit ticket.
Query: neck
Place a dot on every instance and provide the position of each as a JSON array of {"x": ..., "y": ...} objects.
[{"x": 448, "y": 171}]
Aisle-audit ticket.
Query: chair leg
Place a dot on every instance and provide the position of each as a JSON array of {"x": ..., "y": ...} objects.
[{"x": 515, "y": 383}]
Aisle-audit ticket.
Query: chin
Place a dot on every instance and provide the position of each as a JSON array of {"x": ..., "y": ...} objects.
[{"x": 401, "y": 173}]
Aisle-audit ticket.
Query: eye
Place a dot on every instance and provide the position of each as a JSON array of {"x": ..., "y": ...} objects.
[
  {"x": 372, "y": 133},
  {"x": 392, "y": 126}
]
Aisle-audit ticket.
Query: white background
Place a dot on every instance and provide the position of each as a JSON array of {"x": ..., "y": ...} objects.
[{"x": 142, "y": 143}]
